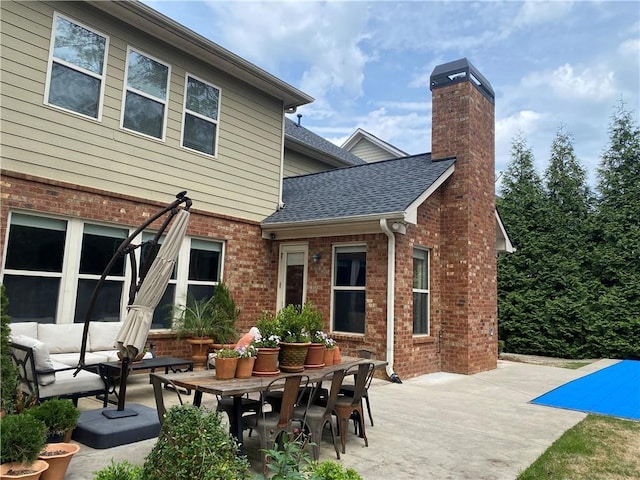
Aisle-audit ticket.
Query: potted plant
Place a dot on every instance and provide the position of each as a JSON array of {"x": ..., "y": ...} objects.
[
  {"x": 329, "y": 352},
  {"x": 22, "y": 437},
  {"x": 226, "y": 361},
  {"x": 195, "y": 321},
  {"x": 58, "y": 456},
  {"x": 226, "y": 314},
  {"x": 246, "y": 360},
  {"x": 59, "y": 416},
  {"x": 267, "y": 343},
  {"x": 295, "y": 339},
  {"x": 314, "y": 324},
  {"x": 194, "y": 443},
  {"x": 123, "y": 470}
]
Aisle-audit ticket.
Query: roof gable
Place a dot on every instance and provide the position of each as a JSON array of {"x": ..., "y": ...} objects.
[
  {"x": 382, "y": 189},
  {"x": 361, "y": 135}
]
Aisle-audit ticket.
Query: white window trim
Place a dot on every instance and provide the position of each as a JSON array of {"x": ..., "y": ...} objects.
[
  {"x": 427, "y": 291},
  {"x": 69, "y": 275},
  {"x": 359, "y": 247},
  {"x": 75, "y": 67},
  {"x": 125, "y": 89},
  {"x": 186, "y": 111}
]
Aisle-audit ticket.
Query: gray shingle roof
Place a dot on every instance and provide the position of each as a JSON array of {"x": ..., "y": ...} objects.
[
  {"x": 369, "y": 189},
  {"x": 301, "y": 134}
]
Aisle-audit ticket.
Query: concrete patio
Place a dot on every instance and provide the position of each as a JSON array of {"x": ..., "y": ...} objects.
[{"x": 436, "y": 426}]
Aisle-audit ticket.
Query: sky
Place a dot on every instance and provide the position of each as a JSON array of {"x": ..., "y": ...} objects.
[{"x": 552, "y": 64}]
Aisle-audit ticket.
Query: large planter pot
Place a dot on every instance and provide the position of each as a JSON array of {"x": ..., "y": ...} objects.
[
  {"x": 266, "y": 362},
  {"x": 199, "y": 351},
  {"x": 13, "y": 470},
  {"x": 328, "y": 356},
  {"x": 245, "y": 367},
  {"x": 292, "y": 356},
  {"x": 58, "y": 456},
  {"x": 226, "y": 368},
  {"x": 315, "y": 356}
]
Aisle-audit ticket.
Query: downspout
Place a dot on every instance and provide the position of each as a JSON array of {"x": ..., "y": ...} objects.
[{"x": 391, "y": 275}]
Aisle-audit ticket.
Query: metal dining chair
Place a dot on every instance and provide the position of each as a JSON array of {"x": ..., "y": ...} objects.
[
  {"x": 315, "y": 417},
  {"x": 271, "y": 424},
  {"x": 348, "y": 389},
  {"x": 346, "y": 406}
]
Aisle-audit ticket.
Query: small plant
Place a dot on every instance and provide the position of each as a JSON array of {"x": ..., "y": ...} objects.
[
  {"x": 329, "y": 342},
  {"x": 293, "y": 325},
  {"x": 330, "y": 470},
  {"x": 195, "y": 319},
  {"x": 288, "y": 460},
  {"x": 119, "y": 471},
  {"x": 59, "y": 415},
  {"x": 22, "y": 438},
  {"x": 269, "y": 328},
  {"x": 194, "y": 444},
  {"x": 313, "y": 322},
  {"x": 247, "y": 352},
  {"x": 227, "y": 353}
]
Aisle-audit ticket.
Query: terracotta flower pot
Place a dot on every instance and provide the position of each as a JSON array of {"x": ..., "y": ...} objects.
[
  {"x": 199, "y": 351},
  {"x": 266, "y": 362},
  {"x": 337, "y": 358},
  {"x": 12, "y": 470},
  {"x": 226, "y": 368},
  {"x": 315, "y": 356},
  {"x": 328, "y": 356},
  {"x": 58, "y": 456},
  {"x": 292, "y": 356},
  {"x": 245, "y": 367}
]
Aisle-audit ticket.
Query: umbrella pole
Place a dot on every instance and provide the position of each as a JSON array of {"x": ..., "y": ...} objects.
[{"x": 121, "y": 412}]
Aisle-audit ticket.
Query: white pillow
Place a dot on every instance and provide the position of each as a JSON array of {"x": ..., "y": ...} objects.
[
  {"x": 29, "y": 329},
  {"x": 41, "y": 357},
  {"x": 102, "y": 335},
  {"x": 61, "y": 337}
]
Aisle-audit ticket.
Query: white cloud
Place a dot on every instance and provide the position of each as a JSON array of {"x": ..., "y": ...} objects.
[
  {"x": 590, "y": 84},
  {"x": 535, "y": 12}
]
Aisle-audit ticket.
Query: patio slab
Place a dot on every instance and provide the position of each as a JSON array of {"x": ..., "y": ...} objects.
[{"x": 436, "y": 426}]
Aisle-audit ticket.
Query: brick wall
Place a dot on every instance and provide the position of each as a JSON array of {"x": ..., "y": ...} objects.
[
  {"x": 249, "y": 262},
  {"x": 463, "y": 126}
]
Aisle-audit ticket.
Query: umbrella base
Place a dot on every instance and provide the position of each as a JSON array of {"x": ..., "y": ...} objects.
[
  {"x": 127, "y": 412},
  {"x": 96, "y": 430}
]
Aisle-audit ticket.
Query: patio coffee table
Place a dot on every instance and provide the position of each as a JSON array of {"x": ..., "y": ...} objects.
[{"x": 110, "y": 371}]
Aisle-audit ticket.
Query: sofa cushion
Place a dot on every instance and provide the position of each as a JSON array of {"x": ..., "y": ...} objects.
[
  {"x": 102, "y": 335},
  {"x": 29, "y": 329},
  {"x": 61, "y": 337},
  {"x": 67, "y": 384},
  {"x": 72, "y": 359},
  {"x": 42, "y": 358}
]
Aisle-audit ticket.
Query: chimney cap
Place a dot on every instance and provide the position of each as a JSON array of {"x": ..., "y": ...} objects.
[{"x": 458, "y": 71}]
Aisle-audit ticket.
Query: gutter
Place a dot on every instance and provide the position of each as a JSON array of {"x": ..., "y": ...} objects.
[{"x": 391, "y": 273}]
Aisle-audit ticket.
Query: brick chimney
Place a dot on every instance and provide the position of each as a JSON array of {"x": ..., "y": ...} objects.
[{"x": 463, "y": 126}]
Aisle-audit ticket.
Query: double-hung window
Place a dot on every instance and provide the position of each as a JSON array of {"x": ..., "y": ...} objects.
[
  {"x": 145, "y": 94},
  {"x": 420, "y": 292},
  {"x": 349, "y": 288},
  {"x": 201, "y": 110},
  {"x": 76, "y": 72}
]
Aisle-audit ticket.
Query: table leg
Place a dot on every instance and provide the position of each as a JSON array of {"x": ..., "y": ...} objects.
[
  {"x": 197, "y": 398},
  {"x": 237, "y": 423}
]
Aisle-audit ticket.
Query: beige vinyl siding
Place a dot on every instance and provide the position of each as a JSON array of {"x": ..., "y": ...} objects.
[
  {"x": 370, "y": 152},
  {"x": 243, "y": 181},
  {"x": 296, "y": 163}
]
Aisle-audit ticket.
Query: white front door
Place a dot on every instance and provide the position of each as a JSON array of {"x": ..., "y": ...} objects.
[{"x": 292, "y": 274}]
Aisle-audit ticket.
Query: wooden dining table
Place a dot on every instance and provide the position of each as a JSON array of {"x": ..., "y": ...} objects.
[{"x": 205, "y": 381}]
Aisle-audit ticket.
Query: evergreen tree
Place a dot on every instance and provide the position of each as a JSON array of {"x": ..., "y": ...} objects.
[
  {"x": 521, "y": 205},
  {"x": 616, "y": 259},
  {"x": 568, "y": 287}
]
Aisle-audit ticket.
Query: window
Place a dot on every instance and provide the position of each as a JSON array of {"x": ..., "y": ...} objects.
[
  {"x": 53, "y": 265},
  {"x": 145, "y": 96},
  {"x": 420, "y": 292},
  {"x": 349, "y": 286},
  {"x": 200, "y": 124},
  {"x": 77, "y": 60}
]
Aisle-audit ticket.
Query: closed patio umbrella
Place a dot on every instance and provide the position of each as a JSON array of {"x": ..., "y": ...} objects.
[{"x": 133, "y": 335}]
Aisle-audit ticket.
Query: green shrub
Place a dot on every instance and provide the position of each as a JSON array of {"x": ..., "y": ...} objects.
[
  {"x": 194, "y": 444},
  {"x": 119, "y": 471},
  {"x": 22, "y": 438},
  {"x": 8, "y": 371},
  {"x": 330, "y": 470},
  {"x": 59, "y": 415}
]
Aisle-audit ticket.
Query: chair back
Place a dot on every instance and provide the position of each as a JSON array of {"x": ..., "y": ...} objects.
[
  {"x": 291, "y": 390},
  {"x": 364, "y": 374},
  {"x": 336, "y": 383}
]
